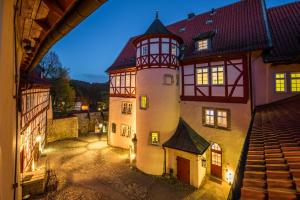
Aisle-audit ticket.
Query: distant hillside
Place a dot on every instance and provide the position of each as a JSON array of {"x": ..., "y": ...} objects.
[{"x": 93, "y": 92}]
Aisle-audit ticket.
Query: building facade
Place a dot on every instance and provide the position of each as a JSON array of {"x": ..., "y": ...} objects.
[{"x": 188, "y": 91}]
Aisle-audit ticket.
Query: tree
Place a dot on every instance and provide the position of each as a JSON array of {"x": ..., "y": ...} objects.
[
  {"x": 50, "y": 64},
  {"x": 63, "y": 94}
]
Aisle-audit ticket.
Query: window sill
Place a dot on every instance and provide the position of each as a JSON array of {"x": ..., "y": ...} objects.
[{"x": 216, "y": 127}]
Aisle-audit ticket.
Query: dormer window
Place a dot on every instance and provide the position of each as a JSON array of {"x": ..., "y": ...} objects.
[{"x": 202, "y": 44}]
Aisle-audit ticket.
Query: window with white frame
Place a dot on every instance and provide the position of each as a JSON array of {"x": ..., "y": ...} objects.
[
  {"x": 174, "y": 49},
  {"x": 218, "y": 118},
  {"x": 210, "y": 117},
  {"x": 202, "y": 44},
  {"x": 222, "y": 118},
  {"x": 280, "y": 83},
  {"x": 295, "y": 82},
  {"x": 144, "y": 50},
  {"x": 217, "y": 75},
  {"x": 202, "y": 76},
  {"x": 127, "y": 80},
  {"x": 168, "y": 79},
  {"x": 126, "y": 107},
  {"x": 125, "y": 130}
]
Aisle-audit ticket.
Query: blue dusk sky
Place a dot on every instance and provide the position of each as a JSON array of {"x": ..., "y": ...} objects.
[{"x": 90, "y": 48}]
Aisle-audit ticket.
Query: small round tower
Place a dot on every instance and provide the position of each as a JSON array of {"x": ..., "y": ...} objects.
[{"x": 157, "y": 94}]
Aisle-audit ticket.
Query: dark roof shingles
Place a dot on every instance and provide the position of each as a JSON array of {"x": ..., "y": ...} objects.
[
  {"x": 238, "y": 27},
  {"x": 186, "y": 139},
  {"x": 285, "y": 28}
]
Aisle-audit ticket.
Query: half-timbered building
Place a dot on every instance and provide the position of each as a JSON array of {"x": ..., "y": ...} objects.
[
  {"x": 35, "y": 109},
  {"x": 193, "y": 87}
]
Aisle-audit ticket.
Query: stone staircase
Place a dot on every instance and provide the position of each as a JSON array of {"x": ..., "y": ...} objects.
[{"x": 272, "y": 169}]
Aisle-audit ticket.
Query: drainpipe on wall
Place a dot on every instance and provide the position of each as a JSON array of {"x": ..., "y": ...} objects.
[
  {"x": 165, "y": 164},
  {"x": 16, "y": 97}
]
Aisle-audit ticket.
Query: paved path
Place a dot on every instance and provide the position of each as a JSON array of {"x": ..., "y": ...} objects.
[{"x": 88, "y": 169}]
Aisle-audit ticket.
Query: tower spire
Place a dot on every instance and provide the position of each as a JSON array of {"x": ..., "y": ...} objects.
[{"x": 156, "y": 13}]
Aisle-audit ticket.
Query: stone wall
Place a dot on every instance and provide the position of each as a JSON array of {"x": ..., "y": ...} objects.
[
  {"x": 64, "y": 128},
  {"x": 87, "y": 121}
]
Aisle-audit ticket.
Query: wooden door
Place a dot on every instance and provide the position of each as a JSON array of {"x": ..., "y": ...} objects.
[
  {"x": 216, "y": 160},
  {"x": 183, "y": 170}
]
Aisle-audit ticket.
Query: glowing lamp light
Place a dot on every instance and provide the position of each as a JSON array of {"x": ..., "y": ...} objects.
[
  {"x": 38, "y": 138},
  {"x": 84, "y": 107},
  {"x": 100, "y": 125},
  {"x": 229, "y": 176}
]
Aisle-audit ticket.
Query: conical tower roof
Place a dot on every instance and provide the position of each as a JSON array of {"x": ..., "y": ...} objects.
[{"x": 157, "y": 27}]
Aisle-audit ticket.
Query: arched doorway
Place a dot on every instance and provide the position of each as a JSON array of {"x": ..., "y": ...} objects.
[{"x": 216, "y": 160}]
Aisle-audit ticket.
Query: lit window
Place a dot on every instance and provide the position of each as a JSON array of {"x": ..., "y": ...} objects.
[
  {"x": 280, "y": 82},
  {"x": 143, "y": 102},
  {"x": 154, "y": 138},
  {"x": 202, "y": 44},
  {"x": 113, "y": 127},
  {"x": 126, "y": 107},
  {"x": 144, "y": 50},
  {"x": 125, "y": 130},
  {"x": 217, "y": 75},
  {"x": 118, "y": 80},
  {"x": 202, "y": 76},
  {"x": 222, "y": 118},
  {"x": 209, "y": 117},
  {"x": 216, "y": 155},
  {"x": 174, "y": 49},
  {"x": 295, "y": 82}
]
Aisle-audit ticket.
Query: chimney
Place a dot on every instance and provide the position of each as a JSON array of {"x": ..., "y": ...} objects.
[
  {"x": 191, "y": 15},
  {"x": 213, "y": 11}
]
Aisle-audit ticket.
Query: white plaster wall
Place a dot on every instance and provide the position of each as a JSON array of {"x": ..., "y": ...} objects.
[
  {"x": 264, "y": 83},
  {"x": 7, "y": 102},
  {"x": 115, "y": 116},
  {"x": 162, "y": 115},
  {"x": 197, "y": 172},
  {"x": 231, "y": 141}
]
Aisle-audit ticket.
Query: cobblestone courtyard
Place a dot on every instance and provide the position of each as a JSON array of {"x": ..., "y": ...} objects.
[{"x": 87, "y": 169}]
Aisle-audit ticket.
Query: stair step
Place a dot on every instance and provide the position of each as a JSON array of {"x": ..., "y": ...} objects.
[
  {"x": 275, "y": 161},
  {"x": 255, "y": 167},
  {"x": 290, "y": 149},
  {"x": 273, "y": 155},
  {"x": 256, "y": 152},
  {"x": 294, "y": 165},
  {"x": 255, "y": 157},
  {"x": 271, "y": 143},
  {"x": 269, "y": 151},
  {"x": 255, "y": 162},
  {"x": 249, "y": 182},
  {"x": 278, "y": 174},
  {"x": 253, "y": 193},
  {"x": 277, "y": 167},
  {"x": 254, "y": 174},
  {"x": 280, "y": 183},
  {"x": 282, "y": 194}
]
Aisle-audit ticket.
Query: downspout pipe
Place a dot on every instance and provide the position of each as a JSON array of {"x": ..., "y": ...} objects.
[{"x": 17, "y": 100}]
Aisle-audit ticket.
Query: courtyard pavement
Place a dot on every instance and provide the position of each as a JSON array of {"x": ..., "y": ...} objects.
[{"x": 88, "y": 169}]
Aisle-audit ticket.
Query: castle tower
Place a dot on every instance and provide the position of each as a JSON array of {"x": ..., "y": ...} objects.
[{"x": 157, "y": 95}]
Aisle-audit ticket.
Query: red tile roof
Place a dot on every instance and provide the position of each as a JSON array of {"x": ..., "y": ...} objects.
[
  {"x": 272, "y": 168},
  {"x": 238, "y": 27},
  {"x": 285, "y": 29}
]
